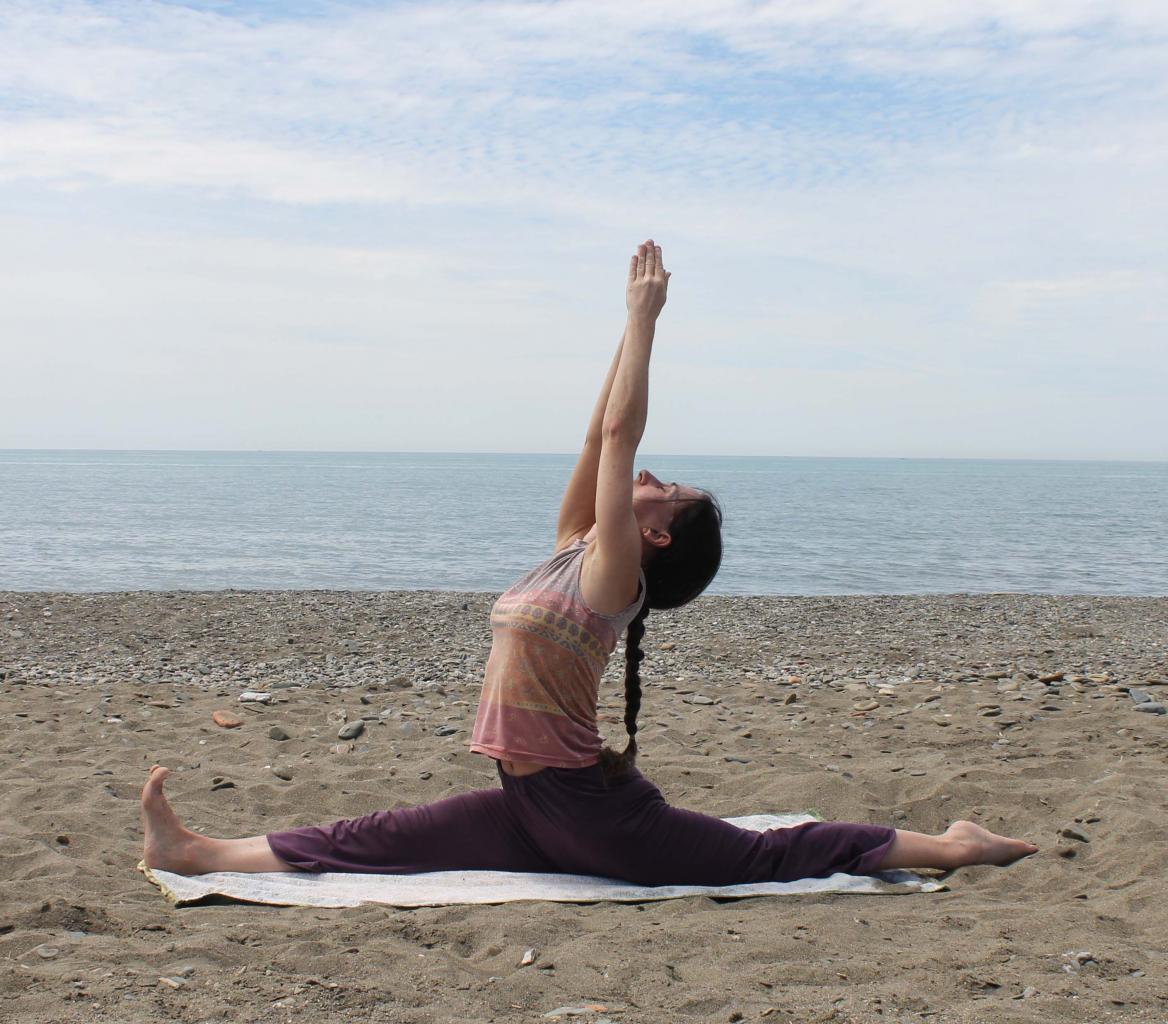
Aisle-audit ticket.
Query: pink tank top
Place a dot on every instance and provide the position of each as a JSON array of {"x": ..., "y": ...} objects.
[{"x": 548, "y": 652}]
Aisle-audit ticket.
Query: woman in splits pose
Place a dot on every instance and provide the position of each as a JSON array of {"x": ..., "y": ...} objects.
[{"x": 625, "y": 544}]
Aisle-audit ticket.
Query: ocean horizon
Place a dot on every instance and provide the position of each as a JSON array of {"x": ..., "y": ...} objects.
[{"x": 106, "y": 520}]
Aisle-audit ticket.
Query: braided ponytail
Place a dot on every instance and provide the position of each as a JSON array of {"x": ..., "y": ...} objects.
[
  {"x": 612, "y": 764},
  {"x": 674, "y": 576}
]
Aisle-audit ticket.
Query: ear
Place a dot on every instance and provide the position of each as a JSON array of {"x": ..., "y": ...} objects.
[{"x": 657, "y": 538}]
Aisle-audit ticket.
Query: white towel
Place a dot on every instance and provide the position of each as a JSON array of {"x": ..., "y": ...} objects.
[{"x": 447, "y": 888}]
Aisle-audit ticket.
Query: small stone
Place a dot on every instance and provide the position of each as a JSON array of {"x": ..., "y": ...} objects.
[
  {"x": 866, "y": 705},
  {"x": 917, "y": 773},
  {"x": 425, "y": 775},
  {"x": 175, "y": 983},
  {"x": 399, "y": 683},
  {"x": 1070, "y": 832},
  {"x": 226, "y": 720},
  {"x": 1029, "y": 992},
  {"x": 791, "y": 698},
  {"x": 45, "y": 951},
  {"x": 990, "y": 712},
  {"x": 255, "y": 697},
  {"x": 667, "y": 646},
  {"x": 697, "y": 698},
  {"x": 529, "y": 957},
  {"x": 276, "y": 733},
  {"x": 794, "y": 680},
  {"x": 1052, "y": 677},
  {"x": 446, "y": 730},
  {"x": 1151, "y": 707},
  {"x": 351, "y": 731},
  {"x": 1139, "y": 696},
  {"x": 282, "y": 773},
  {"x": 222, "y": 784}
]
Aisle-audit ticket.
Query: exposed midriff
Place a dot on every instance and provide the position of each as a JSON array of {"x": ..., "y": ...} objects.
[{"x": 518, "y": 769}]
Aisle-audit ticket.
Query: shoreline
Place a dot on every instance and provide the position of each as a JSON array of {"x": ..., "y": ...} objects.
[{"x": 1012, "y": 710}]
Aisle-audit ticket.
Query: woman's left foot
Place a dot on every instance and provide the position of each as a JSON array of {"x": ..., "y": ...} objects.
[{"x": 979, "y": 845}]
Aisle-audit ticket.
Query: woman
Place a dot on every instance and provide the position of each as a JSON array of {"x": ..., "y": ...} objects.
[{"x": 624, "y": 545}]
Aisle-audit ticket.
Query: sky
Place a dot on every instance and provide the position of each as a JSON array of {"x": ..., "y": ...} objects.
[{"x": 895, "y": 227}]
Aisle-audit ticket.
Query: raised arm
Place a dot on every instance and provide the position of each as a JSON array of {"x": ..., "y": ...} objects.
[
  {"x": 610, "y": 573},
  {"x": 578, "y": 507}
]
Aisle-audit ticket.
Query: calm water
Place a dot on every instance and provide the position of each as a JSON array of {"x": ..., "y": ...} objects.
[{"x": 209, "y": 520}]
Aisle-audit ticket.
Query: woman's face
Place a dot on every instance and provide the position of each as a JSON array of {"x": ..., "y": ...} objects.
[{"x": 655, "y": 502}]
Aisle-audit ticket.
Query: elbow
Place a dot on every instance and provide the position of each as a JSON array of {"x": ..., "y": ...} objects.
[{"x": 615, "y": 431}]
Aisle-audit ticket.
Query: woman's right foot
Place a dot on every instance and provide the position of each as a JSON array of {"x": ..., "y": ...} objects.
[{"x": 170, "y": 846}]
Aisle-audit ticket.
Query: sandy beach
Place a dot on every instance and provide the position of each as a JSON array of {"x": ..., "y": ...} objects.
[{"x": 1014, "y": 711}]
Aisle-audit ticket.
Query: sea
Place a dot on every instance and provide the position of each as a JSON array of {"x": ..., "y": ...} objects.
[{"x": 170, "y": 520}]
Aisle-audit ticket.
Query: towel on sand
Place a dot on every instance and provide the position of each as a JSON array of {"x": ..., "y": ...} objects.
[{"x": 447, "y": 888}]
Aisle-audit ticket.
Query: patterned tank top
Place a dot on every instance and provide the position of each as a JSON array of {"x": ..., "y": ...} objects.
[{"x": 548, "y": 652}]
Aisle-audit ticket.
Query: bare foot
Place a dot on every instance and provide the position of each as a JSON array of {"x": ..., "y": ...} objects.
[
  {"x": 981, "y": 846},
  {"x": 169, "y": 845}
]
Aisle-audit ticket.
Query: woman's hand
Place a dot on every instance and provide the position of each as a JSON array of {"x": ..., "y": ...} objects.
[{"x": 647, "y": 285}]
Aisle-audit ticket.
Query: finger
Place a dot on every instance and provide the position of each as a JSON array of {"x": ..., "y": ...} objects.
[
  {"x": 632, "y": 268},
  {"x": 657, "y": 258},
  {"x": 650, "y": 257},
  {"x": 640, "y": 261}
]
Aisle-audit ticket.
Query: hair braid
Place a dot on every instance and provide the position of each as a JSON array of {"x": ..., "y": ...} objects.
[{"x": 613, "y": 764}]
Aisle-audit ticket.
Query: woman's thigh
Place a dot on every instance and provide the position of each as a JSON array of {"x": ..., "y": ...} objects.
[
  {"x": 630, "y": 832},
  {"x": 465, "y": 832}
]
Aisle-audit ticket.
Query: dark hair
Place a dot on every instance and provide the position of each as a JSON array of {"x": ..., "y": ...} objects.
[{"x": 674, "y": 576}]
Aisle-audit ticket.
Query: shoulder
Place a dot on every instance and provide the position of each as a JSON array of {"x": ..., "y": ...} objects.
[{"x": 606, "y": 589}]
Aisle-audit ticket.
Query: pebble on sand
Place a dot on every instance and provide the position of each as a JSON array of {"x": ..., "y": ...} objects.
[
  {"x": 276, "y": 733},
  {"x": 351, "y": 731},
  {"x": 226, "y": 720}
]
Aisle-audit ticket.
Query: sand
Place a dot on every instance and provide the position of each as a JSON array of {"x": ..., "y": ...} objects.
[{"x": 907, "y": 711}]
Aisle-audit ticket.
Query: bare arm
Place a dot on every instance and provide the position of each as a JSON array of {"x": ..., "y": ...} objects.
[
  {"x": 609, "y": 577},
  {"x": 578, "y": 507}
]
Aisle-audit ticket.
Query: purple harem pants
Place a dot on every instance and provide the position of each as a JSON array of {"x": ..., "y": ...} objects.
[{"x": 568, "y": 820}]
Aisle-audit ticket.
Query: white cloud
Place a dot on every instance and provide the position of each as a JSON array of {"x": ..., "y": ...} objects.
[{"x": 862, "y": 199}]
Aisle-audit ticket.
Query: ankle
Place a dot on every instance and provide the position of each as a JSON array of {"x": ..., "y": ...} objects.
[{"x": 965, "y": 851}]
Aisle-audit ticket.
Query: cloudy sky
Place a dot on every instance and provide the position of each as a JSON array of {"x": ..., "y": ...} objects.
[{"x": 896, "y": 227}]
